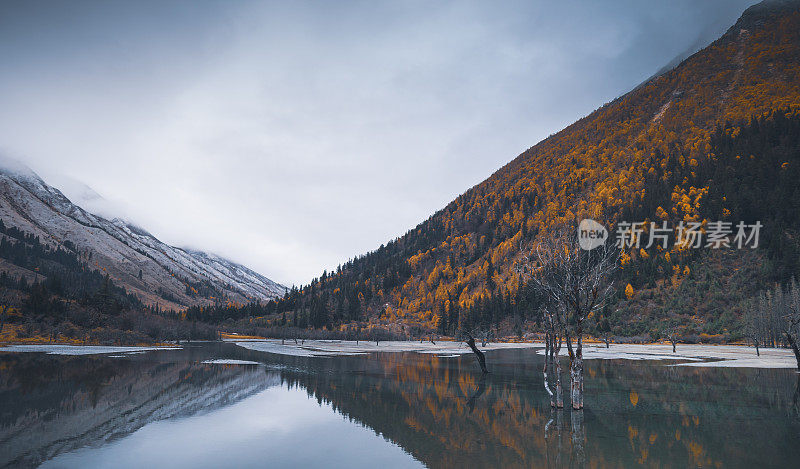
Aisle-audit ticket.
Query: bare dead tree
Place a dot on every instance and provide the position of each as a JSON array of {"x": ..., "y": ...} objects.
[
  {"x": 555, "y": 359},
  {"x": 548, "y": 333},
  {"x": 552, "y": 359},
  {"x": 553, "y": 341},
  {"x": 753, "y": 325},
  {"x": 792, "y": 336},
  {"x": 483, "y": 333},
  {"x": 763, "y": 323},
  {"x": 672, "y": 333},
  {"x": 792, "y": 319},
  {"x": 606, "y": 338},
  {"x": 602, "y": 328},
  {"x": 575, "y": 283},
  {"x": 479, "y": 356},
  {"x": 774, "y": 320}
]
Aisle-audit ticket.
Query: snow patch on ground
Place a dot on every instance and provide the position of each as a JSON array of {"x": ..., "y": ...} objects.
[
  {"x": 590, "y": 353},
  {"x": 691, "y": 355},
  {"x": 78, "y": 349},
  {"x": 296, "y": 350},
  {"x": 321, "y": 348},
  {"x": 226, "y": 361},
  {"x": 717, "y": 356}
]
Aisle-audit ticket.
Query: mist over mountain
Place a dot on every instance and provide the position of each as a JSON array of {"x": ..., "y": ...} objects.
[{"x": 133, "y": 258}]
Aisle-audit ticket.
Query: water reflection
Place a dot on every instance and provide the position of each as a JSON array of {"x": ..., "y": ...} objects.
[
  {"x": 441, "y": 411},
  {"x": 278, "y": 427},
  {"x": 55, "y": 404}
]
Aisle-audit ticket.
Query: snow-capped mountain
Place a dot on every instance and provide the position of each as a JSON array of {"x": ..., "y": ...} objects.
[{"x": 135, "y": 259}]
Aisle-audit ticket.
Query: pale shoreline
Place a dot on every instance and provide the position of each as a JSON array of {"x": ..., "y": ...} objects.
[
  {"x": 63, "y": 349},
  {"x": 737, "y": 356},
  {"x": 717, "y": 356}
]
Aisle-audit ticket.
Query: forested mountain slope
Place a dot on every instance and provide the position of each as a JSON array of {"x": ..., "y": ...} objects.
[
  {"x": 154, "y": 271},
  {"x": 715, "y": 138}
]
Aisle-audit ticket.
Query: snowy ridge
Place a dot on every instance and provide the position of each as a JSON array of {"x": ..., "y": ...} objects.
[{"x": 168, "y": 273}]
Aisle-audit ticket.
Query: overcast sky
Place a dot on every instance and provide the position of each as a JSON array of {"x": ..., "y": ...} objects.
[{"x": 291, "y": 136}]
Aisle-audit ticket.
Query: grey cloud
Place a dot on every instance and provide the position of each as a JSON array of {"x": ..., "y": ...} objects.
[{"x": 290, "y": 136}]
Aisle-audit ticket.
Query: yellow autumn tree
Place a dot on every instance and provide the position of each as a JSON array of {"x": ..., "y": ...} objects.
[{"x": 629, "y": 291}]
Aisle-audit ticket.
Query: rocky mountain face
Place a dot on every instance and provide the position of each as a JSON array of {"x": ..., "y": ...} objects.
[{"x": 135, "y": 259}]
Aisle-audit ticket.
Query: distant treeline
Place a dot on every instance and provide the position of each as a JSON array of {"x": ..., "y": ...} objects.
[
  {"x": 59, "y": 274},
  {"x": 67, "y": 299}
]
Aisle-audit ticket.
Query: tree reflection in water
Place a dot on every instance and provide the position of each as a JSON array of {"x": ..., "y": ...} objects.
[{"x": 442, "y": 411}]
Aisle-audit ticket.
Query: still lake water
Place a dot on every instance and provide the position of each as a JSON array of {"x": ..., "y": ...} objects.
[{"x": 167, "y": 408}]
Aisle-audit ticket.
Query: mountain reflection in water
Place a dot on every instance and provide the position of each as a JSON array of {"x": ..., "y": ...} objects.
[{"x": 440, "y": 411}]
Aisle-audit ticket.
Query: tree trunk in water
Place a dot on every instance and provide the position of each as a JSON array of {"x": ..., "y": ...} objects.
[
  {"x": 673, "y": 346},
  {"x": 551, "y": 364},
  {"x": 559, "y": 389},
  {"x": 544, "y": 369},
  {"x": 569, "y": 347},
  {"x": 478, "y": 354},
  {"x": 576, "y": 375},
  {"x": 758, "y": 353},
  {"x": 793, "y": 344}
]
